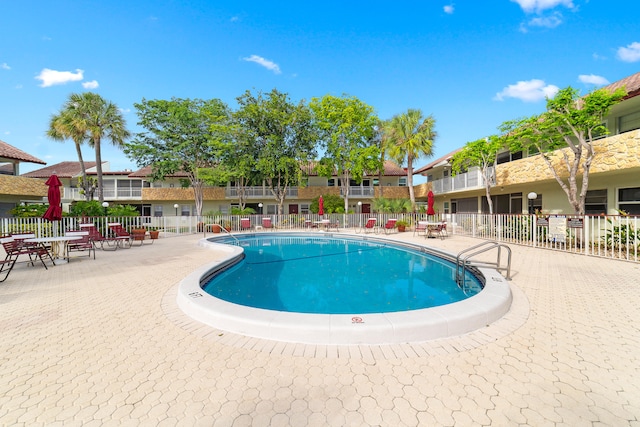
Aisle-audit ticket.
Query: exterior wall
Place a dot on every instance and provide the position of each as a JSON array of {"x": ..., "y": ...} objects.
[
  {"x": 392, "y": 192},
  {"x": 612, "y": 154}
]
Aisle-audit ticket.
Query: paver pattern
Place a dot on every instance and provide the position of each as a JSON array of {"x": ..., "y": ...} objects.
[{"x": 101, "y": 342}]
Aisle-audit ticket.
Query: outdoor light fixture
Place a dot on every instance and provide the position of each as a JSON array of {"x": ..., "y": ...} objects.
[
  {"x": 176, "y": 206},
  {"x": 105, "y": 205},
  {"x": 260, "y": 206},
  {"x": 531, "y": 196}
]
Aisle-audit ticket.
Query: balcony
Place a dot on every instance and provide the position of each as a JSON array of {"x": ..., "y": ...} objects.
[
  {"x": 111, "y": 194},
  {"x": 471, "y": 180},
  {"x": 257, "y": 192},
  {"x": 356, "y": 191}
]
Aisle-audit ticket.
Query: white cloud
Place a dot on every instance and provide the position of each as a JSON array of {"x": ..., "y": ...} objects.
[
  {"x": 593, "y": 79},
  {"x": 530, "y": 6},
  {"x": 93, "y": 84},
  {"x": 269, "y": 65},
  {"x": 449, "y": 9},
  {"x": 551, "y": 21},
  {"x": 631, "y": 53},
  {"x": 5, "y": 66},
  {"x": 53, "y": 77},
  {"x": 125, "y": 110},
  {"x": 528, "y": 91}
]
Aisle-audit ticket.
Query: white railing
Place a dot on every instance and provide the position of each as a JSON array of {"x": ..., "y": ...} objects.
[
  {"x": 357, "y": 191},
  {"x": 462, "y": 181},
  {"x": 257, "y": 192},
  {"x": 614, "y": 236},
  {"x": 111, "y": 194}
]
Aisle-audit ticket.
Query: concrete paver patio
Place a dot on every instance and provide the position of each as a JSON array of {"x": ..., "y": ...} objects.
[{"x": 101, "y": 342}]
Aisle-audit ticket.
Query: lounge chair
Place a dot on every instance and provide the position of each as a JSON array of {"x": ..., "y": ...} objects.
[
  {"x": 390, "y": 226},
  {"x": 6, "y": 265},
  {"x": 370, "y": 226},
  {"x": 245, "y": 224},
  {"x": 444, "y": 229},
  {"x": 122, "y": 236},
  {"x": 267, "y": 224},
  {"x": 97, "y": 238},
  {"x": 84, "y": 244},
  {"x": 421, "y": 227}
]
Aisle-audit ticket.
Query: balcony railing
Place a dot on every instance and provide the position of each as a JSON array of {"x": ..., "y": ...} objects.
[
  {"x": 356, "y": 191},
  {"x": 463, "y": 181},
  {"x": 111, "y": 194},
  {"x": 258, "y": 192}
]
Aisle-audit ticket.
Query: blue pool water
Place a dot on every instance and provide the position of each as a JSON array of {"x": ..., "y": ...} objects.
[{"x": 327, "y": 275}]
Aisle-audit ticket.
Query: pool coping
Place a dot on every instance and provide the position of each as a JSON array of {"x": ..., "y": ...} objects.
[{"x": 450, "y": 320}]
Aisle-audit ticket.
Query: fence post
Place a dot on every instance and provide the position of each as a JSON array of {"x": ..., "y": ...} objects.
[{"x": 534, "y": 230}]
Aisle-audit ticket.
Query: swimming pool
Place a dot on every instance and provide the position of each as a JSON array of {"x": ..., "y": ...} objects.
[
  {"x": 327, "y": 275},
  {"x": 415, "y": 325}
]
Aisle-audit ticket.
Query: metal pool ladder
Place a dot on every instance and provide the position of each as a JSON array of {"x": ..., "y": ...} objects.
[
  {"x": 228, "y": 232},
  {"x": 463, "y": 262}
]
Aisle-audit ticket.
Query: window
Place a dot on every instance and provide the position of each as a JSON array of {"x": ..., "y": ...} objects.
[
  {"x": 157, "y": 210},
  {"x": 402, "y": 181},
  {"x": 304, "y": 208},
  {"x": 446, "y": 207},
  {"x": 376, "y": 182},
  {"x": 508, "y": 156},
  {"x": 596, "y": 202},
  {"x": 629, "y": 200},
  {"x": 331, "y": 182},
  {"x": 271, "y": 209},
  {"x": 629, "y": 122},
  {"x": 185, "y": 210}
]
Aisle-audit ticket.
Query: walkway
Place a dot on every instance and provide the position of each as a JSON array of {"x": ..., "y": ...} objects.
[{"x": 101, "y": 343}]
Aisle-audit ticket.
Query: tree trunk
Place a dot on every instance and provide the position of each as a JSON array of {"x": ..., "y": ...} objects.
[{"x": 96, "y": 145}]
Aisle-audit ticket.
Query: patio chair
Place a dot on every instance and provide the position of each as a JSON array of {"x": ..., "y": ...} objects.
[
  {"x": 390, "y": 226},
  {"x": 16, "y": 247},
  {"x": 122, "y": 236},
  {"x": 84, "y": 244},
  {"x": 434, "y": 231},
  {"x": 444, "y": 229},
  {"x": 245, "y": 224},
  {"x": 6, "y": 265},
  {"x": 421, "y": 227},
  {"x": 97, "y": 238},
  {"x": 267, "y": 224}
]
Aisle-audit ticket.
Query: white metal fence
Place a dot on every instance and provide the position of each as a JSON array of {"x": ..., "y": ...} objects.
[{"x": 613, "y": 236}]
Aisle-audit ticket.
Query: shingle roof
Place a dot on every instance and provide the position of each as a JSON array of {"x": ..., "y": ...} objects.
[
  {"x": 62, "y": 169},
  {"x": 436, "y": 162},
  {"x": 631, "y": 84},
  {"x": 12, "y": 153},
  {"x": 146, "y": 172}
]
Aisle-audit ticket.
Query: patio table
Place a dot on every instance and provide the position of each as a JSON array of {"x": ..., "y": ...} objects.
[{"x": 59, "y": 246}]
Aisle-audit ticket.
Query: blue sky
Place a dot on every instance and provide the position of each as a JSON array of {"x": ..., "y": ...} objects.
[{"x": 470, "y": 64}]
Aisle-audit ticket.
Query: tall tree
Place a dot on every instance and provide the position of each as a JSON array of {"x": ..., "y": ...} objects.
[
  {"x": 346, "y": 127},
  {"x": 410, "y": 135},
  {"x": 482, "y": 153},
  {"x": 283, "y": 137},
  {"x": 564, "y": 136},
  {"x": 186, "y": 135},
  {"x": 98, "y": 119},
  {"x": 68, "y": 124}
]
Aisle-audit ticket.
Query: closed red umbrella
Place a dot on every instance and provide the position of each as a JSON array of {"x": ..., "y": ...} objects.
[
  {"x": 430, "y": 203},
  {"x": 54, "y": 212},
  {"x": 320, "y": 206}
]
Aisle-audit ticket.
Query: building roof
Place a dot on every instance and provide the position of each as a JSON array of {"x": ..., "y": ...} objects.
[
  {"x": 631, "y": 84},
  {"x": 438, "y": 162},
  {"x": 9, "y": 152},
  {"x": 62, "y": 169},
  {"x": 146, "y": 172}
]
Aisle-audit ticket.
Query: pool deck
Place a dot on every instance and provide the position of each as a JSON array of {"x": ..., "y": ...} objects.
[{"x": 102, "y": 342}]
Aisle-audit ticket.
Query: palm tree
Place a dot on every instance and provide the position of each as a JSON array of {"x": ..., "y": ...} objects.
[
  {"x": 65, "y": 126},
  {"x": 89, "y": 117},
  {"x": 409, "y": 136}
]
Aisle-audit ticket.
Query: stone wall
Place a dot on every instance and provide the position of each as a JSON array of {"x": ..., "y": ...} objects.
[{"x": 612, "y": 154}]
